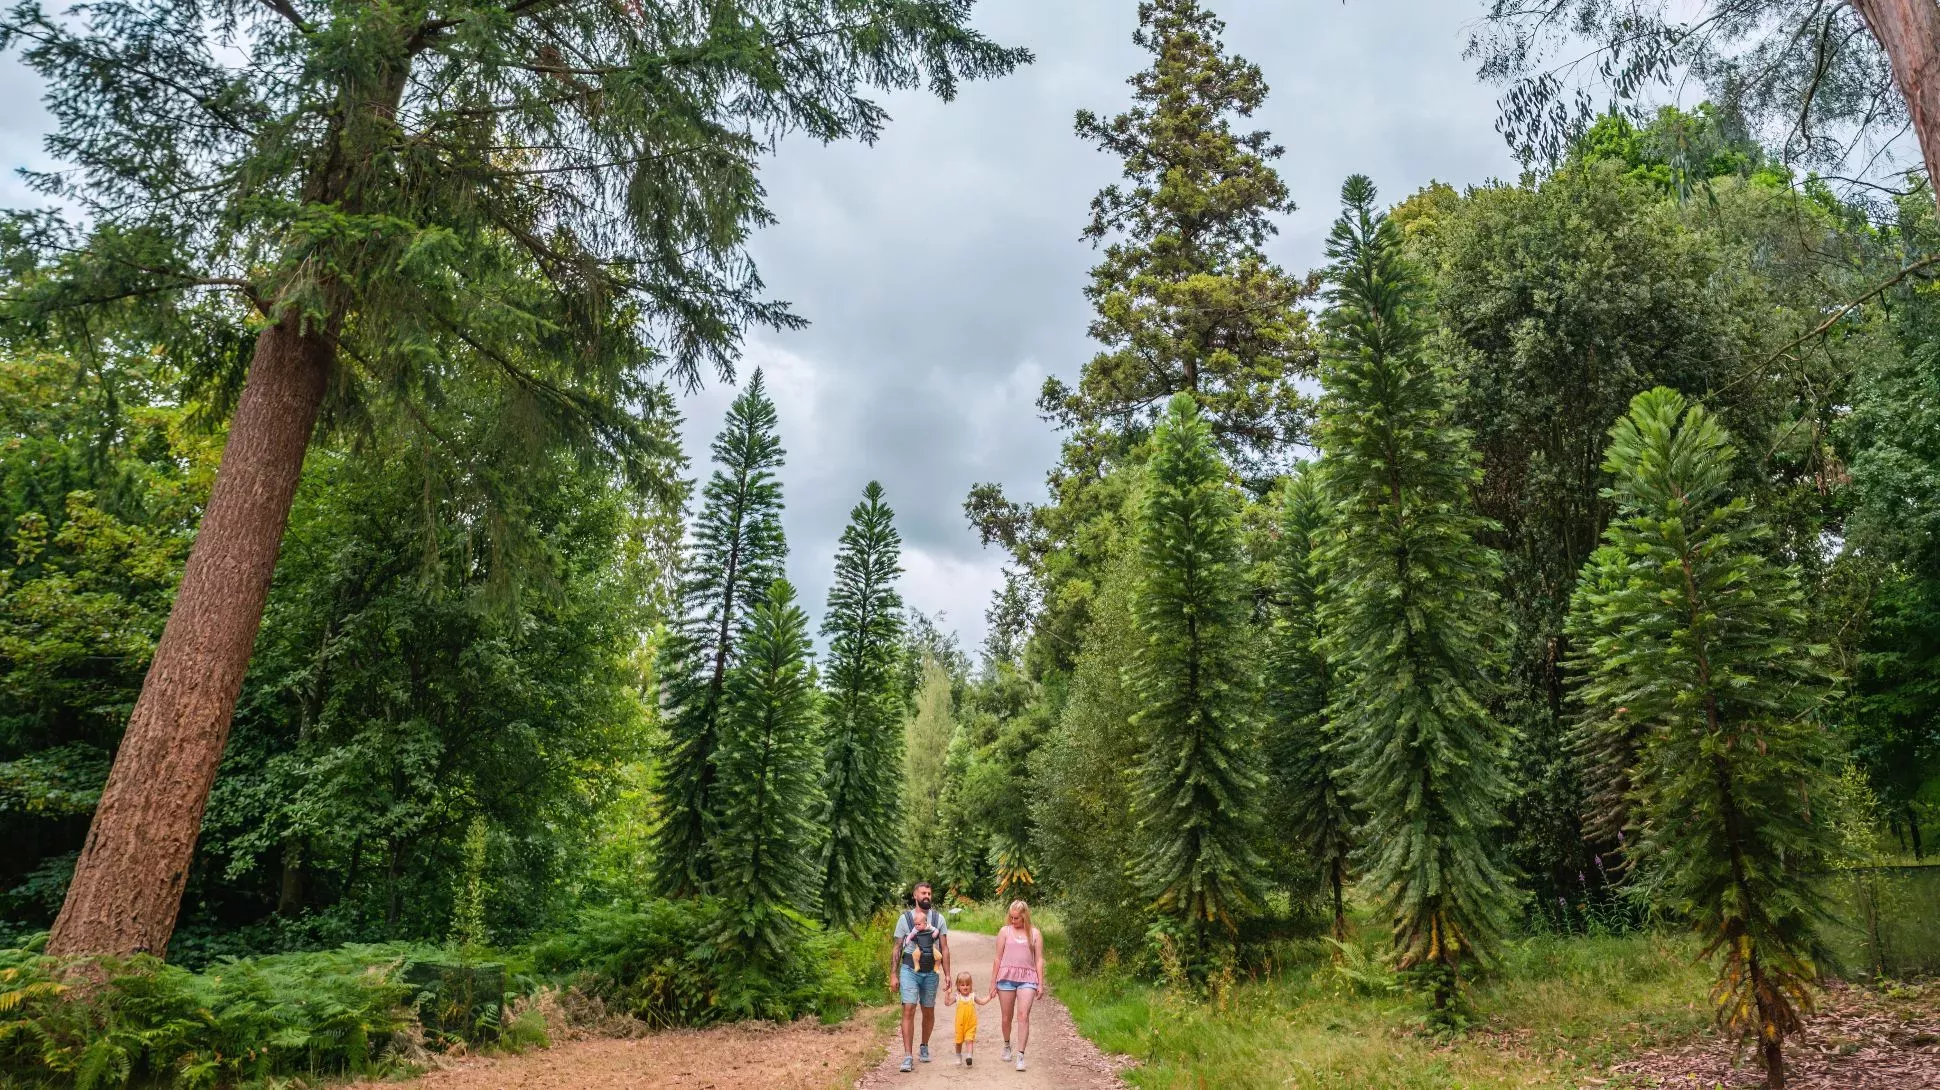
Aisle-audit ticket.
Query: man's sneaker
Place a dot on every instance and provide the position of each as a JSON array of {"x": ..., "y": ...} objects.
[
  {"x": 1006, "y": 1051},
  {"x": 909, "y": 1064},
  {"x": 923, "y": 1053},
  {"x": 1020, "y": 1061}
]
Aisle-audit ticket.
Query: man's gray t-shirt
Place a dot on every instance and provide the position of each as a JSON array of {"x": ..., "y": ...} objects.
[
  {"x": 936, "y": 919},
  {"x": 903, "y": 927}
]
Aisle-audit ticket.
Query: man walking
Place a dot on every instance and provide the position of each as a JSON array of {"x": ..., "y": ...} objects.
[{"x": 919, "y": 958}]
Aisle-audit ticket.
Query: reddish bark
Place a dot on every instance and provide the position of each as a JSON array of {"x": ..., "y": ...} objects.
[
  {"x": 1908, "y": 31},
  {"x": 127, "y": 886}
]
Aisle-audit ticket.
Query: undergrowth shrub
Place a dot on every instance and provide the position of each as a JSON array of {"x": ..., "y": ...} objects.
[
  {"x": 370, "y": 1010},
  {"x": 146, "y": 1023},
  {"x": 660, "y": 962}
]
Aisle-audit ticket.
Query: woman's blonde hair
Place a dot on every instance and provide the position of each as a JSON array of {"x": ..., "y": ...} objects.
[{"x": 1019, "y": 905}]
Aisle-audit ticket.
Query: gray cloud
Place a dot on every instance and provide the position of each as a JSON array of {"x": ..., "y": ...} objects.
[{"x": 942, "y": 268}]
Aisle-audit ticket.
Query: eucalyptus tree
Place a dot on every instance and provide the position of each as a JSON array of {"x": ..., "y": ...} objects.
[
  {"x": 738, "y": 551},
  {"x": 1697, "y": 665},
  {"x": 1410, "y": 612},
  {"x": 325, "y": 209}
]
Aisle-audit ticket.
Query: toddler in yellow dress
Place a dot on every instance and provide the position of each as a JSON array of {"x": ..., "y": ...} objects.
[{"x": 967, "y": 1002}]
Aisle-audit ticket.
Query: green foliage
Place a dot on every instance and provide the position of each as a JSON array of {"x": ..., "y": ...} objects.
[
  {"x": 1081, "y": 801},
  {"x": 928, "y": 737},
  {"x": 404, "y": 684},
  {"x": 247, "y": 1021},
  {"x": 1409, "y": 610},
  {"x": 738, "y": 551},
  {"x": 1559, "y": 299},
  {"x": 1308, "y": 807},
  {"x": 766, "y": 771},
  {"x": 863, "y": 757},
  {"x": 1198, "y": 779},
  {"x": 468, "y": 902},
  {"x": 1186, "y": 299},
  {"x": 357, "y": 1010},
  {"x": 660, "y": 962},
  {"x": 481, "y": 191},
  {"x": 1689, "y": 631}
]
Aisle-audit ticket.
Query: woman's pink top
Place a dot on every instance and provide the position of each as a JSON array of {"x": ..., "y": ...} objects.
[{"x": 1015, "y": 961}]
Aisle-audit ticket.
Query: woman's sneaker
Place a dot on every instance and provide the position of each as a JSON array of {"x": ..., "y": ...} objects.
[
  {"x": 1020, "y": 1061},
  {"x": 1006, "y": 1051},
  {"x": 909, "y": 1064},
  {"x": 923, "y": 1053}
]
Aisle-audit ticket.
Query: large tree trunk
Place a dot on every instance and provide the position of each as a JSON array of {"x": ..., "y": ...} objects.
[
  {"x": 1909, "y": 33},
  {"x": 127, "y": 886}
]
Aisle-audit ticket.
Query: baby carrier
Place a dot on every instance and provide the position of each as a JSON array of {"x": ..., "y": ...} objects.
[{"x": 919, "y": 950}]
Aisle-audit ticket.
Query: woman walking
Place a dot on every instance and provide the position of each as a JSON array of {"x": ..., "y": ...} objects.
[{"x": 1019, "y": 973}]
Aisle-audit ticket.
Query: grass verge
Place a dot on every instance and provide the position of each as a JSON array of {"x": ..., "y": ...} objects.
[{"x": 1555, "y": 1015}]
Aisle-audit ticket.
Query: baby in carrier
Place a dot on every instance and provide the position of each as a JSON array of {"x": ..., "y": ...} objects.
[{"x": 919, "y": 946}]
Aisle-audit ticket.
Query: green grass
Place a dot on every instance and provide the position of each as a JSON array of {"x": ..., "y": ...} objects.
[
  {"x": 986, "y": 917},
  {"x": 1555, "y": 1015}
]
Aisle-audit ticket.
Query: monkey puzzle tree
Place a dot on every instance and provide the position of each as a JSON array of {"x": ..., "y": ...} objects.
[
  {"x": 1197, "y": 783},
  {"x": 768, "y": 765},
  {"x": 1308, "y": 790},
  {"x": 1410, "y": 612},
  {"x": 863, "y": 715},
  {"x": 1695, "y": 663},
  {"x": 324, "y": 207},
  {"x": 738, "y": 551}
]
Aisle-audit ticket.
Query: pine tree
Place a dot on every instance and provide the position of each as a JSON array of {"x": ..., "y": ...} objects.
[
  {"x": 1198, "y": 780},
  {"x": 767, "y": 767},
  {"x": 862, "y": 771},
  {"x": 1692, "y": 633},
  {"x": 1186, "y": 299},
  {"x": 1409, "y": 613},
  {"x": 1309, "y": 796},
  {"x": 738, "y": 551},
  {"x": 323, "y": 210}
]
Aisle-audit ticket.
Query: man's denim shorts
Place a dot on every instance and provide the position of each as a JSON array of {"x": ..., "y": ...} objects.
[{"x": 919, "y": 988}]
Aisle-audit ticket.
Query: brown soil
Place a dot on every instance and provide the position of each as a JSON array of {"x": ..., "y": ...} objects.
[
  {"x": 1060, "y": 1059},
  {"x": 802, "y": 1056},
  {"x": 1859, "y": 1040}
]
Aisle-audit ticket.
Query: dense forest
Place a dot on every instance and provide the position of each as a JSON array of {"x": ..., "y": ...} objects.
[{"x": 1562, "y": 557}]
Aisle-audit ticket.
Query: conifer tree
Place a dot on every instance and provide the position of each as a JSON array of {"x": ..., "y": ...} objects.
[
  {"x": 1409, "y": 613},
  {"x": 1696, "y": 636},
  {"x": 767, "y": 770},
  {"x": 1308, "y": 792},
  {"x": 863, "y": 758},
  {"x": 326, "y": 210},
  {"x": 1198, "y": 779},
  {"x": 1186, "y": 299},
  {"x": 738, "y": 551}
]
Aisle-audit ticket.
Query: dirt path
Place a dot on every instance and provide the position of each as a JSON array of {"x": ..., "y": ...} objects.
[
  {"x": 750, "y": 1056},
  {"x": 1060, "y": 1059},
  {"x": 802, "y": 1056}
]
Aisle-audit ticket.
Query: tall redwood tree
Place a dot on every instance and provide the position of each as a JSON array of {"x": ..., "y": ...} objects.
[{"x": 330, "y": 207}]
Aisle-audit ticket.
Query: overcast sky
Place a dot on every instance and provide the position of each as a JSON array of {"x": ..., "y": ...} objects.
[{"x": 942, "y": 270}]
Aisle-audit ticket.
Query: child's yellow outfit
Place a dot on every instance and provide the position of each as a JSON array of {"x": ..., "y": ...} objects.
[{"x": 966, "y": 1019}]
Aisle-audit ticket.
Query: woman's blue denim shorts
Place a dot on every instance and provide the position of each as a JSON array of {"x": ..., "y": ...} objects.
[{"x": 1015, "y": 985}]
